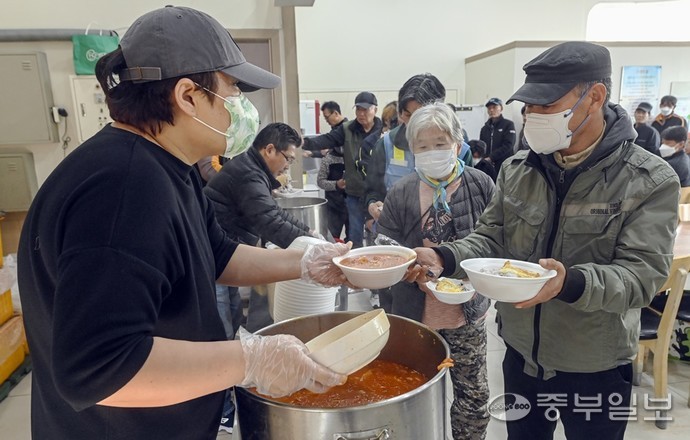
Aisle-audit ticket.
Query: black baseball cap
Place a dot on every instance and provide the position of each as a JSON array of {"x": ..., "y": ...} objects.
[
  {"x": 557, "y": 70},
  {"x": 365, "y": 100},
  {"x": 494, "y": 101},
  {"x": 644, "y": 106},
  {"x": 176, "y": 41}
]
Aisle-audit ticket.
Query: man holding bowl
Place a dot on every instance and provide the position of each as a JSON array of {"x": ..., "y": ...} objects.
[{"x": 601, "y": 211}]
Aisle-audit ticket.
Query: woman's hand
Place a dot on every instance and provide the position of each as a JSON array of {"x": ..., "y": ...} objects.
[{"x": 428, "y": 263}]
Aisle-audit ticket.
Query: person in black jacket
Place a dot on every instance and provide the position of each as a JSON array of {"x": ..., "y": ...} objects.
[
  {"x": 647, "y": 137},
  {"x": 330, "y": 110},
  {"x": 480, "y": 160},
  {"x": 498, "y": 133},
  {"x": 667, "y": 116},
  {"x": 241, "y": 192},
  {"x": 673, "y": 141}
]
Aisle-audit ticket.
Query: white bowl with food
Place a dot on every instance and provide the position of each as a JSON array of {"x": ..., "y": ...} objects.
[
  {"x": 376, "y": 267},
  {"x": 353, "y": 344},
  {"x": 506, "y": 280},
  {"x": 451, "y": 291}
]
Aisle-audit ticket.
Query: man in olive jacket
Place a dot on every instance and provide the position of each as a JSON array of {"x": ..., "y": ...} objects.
[{"x": 599, "y": 210}]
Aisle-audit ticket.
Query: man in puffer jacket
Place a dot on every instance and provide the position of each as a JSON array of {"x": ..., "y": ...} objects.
[
  {"x": 599, "y": 210},
  {"x": 241, "y": 191}
]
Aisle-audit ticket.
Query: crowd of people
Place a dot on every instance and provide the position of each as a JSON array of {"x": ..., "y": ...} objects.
[{"x": 122, "y": 279}]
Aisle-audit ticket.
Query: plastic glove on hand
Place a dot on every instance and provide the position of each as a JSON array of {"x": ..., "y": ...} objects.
[
  {"x": 278, "y": 366},
  {"x": 318, "y": 267}
]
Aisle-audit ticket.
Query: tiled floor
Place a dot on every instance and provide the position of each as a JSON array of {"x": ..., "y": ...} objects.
[{"x": 14, "y": 411}]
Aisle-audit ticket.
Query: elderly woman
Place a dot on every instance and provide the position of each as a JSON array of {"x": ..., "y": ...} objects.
[{"x": 441, "y": 202}]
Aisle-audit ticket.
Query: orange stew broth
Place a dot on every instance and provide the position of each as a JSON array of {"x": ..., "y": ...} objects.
[
  {"x": 380, "y": 380},
  {"x": 374, "y": 261}
]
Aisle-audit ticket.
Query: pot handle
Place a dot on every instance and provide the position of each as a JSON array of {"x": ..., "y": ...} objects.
[{"x": 372, "y": 434}]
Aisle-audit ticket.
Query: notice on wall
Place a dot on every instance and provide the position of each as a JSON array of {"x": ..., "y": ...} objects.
[{"x": 640, "y": 84}]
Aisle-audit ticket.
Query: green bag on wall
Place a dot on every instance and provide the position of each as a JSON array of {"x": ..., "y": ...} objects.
[{"x": 88, "y": 49}]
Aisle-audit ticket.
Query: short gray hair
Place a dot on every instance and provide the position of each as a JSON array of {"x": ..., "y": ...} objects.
[{"x": 437, "y": 115}]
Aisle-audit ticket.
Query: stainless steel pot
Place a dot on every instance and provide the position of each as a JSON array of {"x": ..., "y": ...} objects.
[
  {"x": 309, "y": 210},
  {"x": 419, "y": 414}
]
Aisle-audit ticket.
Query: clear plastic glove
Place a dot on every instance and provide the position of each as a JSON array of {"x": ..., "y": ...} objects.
[
  {"x": 278, "y": 366},
  {"x": 318, "y": 267},
  {"x": 317, "y": 234}
]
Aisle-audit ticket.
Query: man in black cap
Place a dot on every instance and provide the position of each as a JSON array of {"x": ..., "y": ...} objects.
[
  {"x": 347, "y": 139},
  {"x": 583, "y": 202},
  {"x": 647, "y": 137},
  {"x": 120, "y": 251},
  {"x": 498, "y": 133}
]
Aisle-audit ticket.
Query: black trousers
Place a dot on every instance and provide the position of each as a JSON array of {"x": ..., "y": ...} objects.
[{"x": 582, "y": 395}]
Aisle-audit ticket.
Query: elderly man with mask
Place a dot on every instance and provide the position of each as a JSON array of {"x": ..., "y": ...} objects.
[
  {"x": 590, "y": 204},
  {"x": 121, "y": 249}
]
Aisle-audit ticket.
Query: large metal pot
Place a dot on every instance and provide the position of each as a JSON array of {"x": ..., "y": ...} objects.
[
  {"x": 309, "y": 210},
  {"x": 419, "y": 414}
]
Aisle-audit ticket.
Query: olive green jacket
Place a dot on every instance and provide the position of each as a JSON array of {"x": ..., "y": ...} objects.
[{"x": 614, "y": 233}]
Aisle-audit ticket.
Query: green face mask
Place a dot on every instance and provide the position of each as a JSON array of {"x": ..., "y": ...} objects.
[{"x": 244, "y": 124}]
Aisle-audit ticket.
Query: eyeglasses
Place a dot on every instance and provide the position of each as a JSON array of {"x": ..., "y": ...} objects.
[
  {"x": 289, "y": 159},
  {"x": 326, "y": 116}
]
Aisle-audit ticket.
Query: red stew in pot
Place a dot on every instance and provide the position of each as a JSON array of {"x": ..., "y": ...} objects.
[{"x": 380, "y": 380}]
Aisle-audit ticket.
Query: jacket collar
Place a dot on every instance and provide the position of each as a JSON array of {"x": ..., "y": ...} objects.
[
  {"x": 355, "y": 126},
  {"x": 490, "y": 121},
  {"x": 398, "y": 135},
  {"x": 256, "y": 157}
]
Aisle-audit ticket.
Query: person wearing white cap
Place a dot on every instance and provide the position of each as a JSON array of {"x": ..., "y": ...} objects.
[
  {"x": 120, "y": 251},
  {"x": 600, "y": 211}
]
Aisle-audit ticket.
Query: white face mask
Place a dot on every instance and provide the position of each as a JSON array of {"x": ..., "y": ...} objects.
[
  {"x": 665, "y": 110},
  {"x": 666, "y": 150},
  {"x": 436, "y": 164},
  {"x": 475, "y": 161},
  {"x": 547, "y": 134},
  {"x": 244, "y": 124}
]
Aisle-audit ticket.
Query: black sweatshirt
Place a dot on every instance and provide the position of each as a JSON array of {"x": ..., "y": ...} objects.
[{"x": 120, "y": 245}]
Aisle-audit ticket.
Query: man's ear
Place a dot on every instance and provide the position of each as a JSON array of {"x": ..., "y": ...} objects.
[
  {"x": 598, "y": 96},
  {"x": 186, "y": 96}
]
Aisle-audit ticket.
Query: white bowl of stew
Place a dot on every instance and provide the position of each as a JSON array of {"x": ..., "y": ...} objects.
[{"x": 376, "y": 267}]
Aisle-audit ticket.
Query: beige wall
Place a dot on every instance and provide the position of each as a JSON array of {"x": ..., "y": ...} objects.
[
  {"x": 378, "y": 44},
  {"x": 37, "y": 14}
]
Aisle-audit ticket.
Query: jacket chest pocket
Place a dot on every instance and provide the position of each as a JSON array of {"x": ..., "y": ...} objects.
[
  {"x": 590, "y": 238},
  {"x": 521, "y": 225}
]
